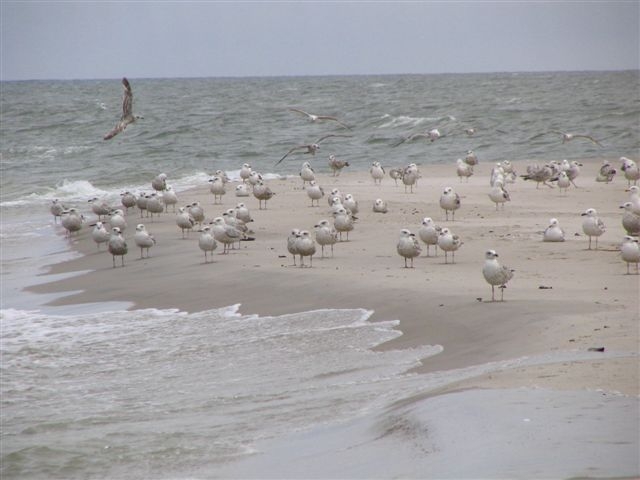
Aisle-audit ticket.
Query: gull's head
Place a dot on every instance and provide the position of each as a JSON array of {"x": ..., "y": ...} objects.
[
  {"x": 633, "y": 189},
  {"x": 427, "y": 221},
  {"x": 218, "y": 221},
  {"x": 205, "y": 229},
  {"x": 405, "y": 233},
  {"x": 589, "y": 212},
  {"x": 240, "y": 205},
  {"x": 448, "y": 190},
  {"x": 444, "y": 231},
  {"x": 295, "y": 232},
  {"x": 553, "y": 222},
  {"x": 140, "y": 227},
  {"x": 627, "y": 206},
  {"x": 116, "y": 230},
  {"x": 490, "y": 254}
]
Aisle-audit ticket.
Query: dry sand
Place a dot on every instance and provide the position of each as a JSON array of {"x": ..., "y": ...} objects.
[{"x": 562, "y": 297}]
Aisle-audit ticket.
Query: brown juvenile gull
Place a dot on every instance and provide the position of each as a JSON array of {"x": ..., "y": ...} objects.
[
  {"x": 117, "y": 245},
  {"x": 314, "y": 118},
  {"x": 127, "y": 114}
]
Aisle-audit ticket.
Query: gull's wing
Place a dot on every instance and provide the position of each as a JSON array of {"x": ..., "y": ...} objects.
[
  {"x": 589, "y": 137},
  {"x": 301, "y": 111},
  {"x": 120, "y": 126},
  {"x": 328, "y": 117},
  {"x": 127, "y": 99},
  {"x": 291, "y": 151},
  {"x": 331, "y": 135}
]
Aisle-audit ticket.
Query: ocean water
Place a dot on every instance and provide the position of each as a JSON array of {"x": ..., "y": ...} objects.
[{"x": 100, "y": 391}]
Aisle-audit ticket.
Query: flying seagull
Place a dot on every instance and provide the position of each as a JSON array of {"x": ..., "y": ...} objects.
[
  {"x": 311, "y": 148},
  {"x": 567, "y": 137},
  {"x": 314, "y": 118},
  {"x": 127, "y": 115}
]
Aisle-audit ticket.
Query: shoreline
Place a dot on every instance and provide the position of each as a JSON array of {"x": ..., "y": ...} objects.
[{"x": 562, "y": 297}]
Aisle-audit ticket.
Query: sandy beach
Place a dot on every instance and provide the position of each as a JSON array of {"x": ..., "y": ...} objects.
[{"x": 562, "y": 297}]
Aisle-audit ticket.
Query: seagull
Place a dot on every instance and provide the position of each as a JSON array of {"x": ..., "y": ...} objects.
[
  {"x": 315, "y": 118},
  {"x": 606, "y": 172},
  {"x": 498, "y": 194},
  {"x": 143, "y": 239},
  {"x": 100, "y": 208},
  {"x": 343, "y": 222},
  {"x": 337, "y": 164},
  {"x": 262, "y": 192},
  {"x": 428, "y": 233},
  {"x": 242, "y": 190},
  {"x": 184, "y": 220},
  {"x": 377, "y": 172},
  {"x": 495, "y": 274},
  {"x": 631, "y": 170},
  {"x": 553, "y": 233},
  {"x": 630, "y": 252},
  {"x": 225, "y": 234},
  {"x": 311, "y": 148},
  {"x": 128, "y": 200},
  {"x": 380, "y": 206},
  {"x": 433, "y": 135},
  {"x": 463, "y": 169},
  {"x": 100, "y": 234},
  {"x": 396, "y": 173},
  {"x": 127, "y": 114},
  {"x": 630, "y": 221},
  {"x": 567, "y": 137},
  {"x": 306, "y": 247},
  {"x": 292, "y": 246},
  {"x": 169, "y": 197},
  {"x": 315, "y": 192},
  {"x": 117, "y": 245},
  {"x": 71, "y": 221},
  {"x": 206, "y": 242},
  {"x": 326, "y": 234},
  {"x": 56, "y": 209},
  {"x": 159, "y": 183},
  {"x": 217, "y": 188},
  {"x": 592, "y": 226},
  {"x": 634, "y": 198},
  {"x": 408, "y": 246},
  {"x": 450, "y": 201},
  {"x": 539, "y": 174},
  {"x": 307, "y": 173},
  {"x": 449, "y": 242}
]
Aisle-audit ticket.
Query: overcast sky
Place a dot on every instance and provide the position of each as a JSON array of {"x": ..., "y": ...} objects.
[{"x": 73, "y": 40}]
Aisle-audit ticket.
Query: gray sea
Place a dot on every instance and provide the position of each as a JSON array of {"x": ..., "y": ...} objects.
[{"x": 100, "y": 391}]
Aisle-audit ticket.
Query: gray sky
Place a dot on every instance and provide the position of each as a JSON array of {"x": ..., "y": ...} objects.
[{"x": 65, "y": 40}]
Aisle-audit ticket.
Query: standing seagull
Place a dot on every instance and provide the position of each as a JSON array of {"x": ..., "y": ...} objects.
[
  {"x": 315, "y": 118},
  {"x": 450, "y": 201},
  {"x": 206, "y": 242},
  {"x": 117, "y": 245},
  {"x": 408, "y": 246},
  {"x": 592, "y": 226},
  {"x": 127, "y": 114},
  {"x": 630, "y": 252},
  {"x": 495, "y": 274},
  {"x": 143, "y": 239}
]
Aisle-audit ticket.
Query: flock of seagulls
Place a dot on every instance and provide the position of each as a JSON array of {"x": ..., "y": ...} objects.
[{"x": 230, "y": 228}]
